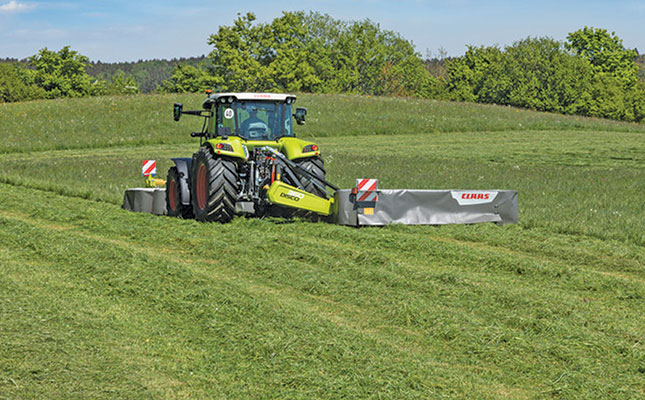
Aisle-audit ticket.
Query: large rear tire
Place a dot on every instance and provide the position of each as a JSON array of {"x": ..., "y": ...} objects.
[
  {"x": 214, "y": 187},
  {"x": 316, "y": 167},
  {"x": 174, "y": 206}
]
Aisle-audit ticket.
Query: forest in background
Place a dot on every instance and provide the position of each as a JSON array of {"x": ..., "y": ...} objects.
[
  {"x": 591, "y": 73},
  {"x": 148, "y": 74}
]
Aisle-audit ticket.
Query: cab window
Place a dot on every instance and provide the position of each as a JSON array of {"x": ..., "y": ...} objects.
[{"x": 255, "y": 120}]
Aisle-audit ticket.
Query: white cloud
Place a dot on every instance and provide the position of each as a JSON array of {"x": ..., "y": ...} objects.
[{"x": 15, "y": 7}]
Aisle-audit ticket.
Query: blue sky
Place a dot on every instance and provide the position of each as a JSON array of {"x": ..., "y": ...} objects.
[{"x": 121, "y": 30}]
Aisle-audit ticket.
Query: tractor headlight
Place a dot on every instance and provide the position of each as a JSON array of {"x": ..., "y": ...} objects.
[{"x": 309, "y": 148}]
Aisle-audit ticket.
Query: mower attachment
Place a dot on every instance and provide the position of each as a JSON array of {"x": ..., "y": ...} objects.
[
  {"x": 426, "y": 207},
  {"x": 286, "y": 195}
]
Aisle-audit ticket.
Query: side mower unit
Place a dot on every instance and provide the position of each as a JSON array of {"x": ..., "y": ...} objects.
[{"x": 392, "y": 206}]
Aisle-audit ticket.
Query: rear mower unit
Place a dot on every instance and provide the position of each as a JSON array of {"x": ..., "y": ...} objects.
[{"x": 250, "y": 162}]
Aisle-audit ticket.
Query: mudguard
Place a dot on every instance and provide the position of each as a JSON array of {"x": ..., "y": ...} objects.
[
  {"x": 233, "y": 147},
  {"x": 293, "y": 147},
  {"x": 184, "y": 165}
]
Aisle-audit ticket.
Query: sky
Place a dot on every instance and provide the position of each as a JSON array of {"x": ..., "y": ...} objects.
[{"x": 127, "y": 30}]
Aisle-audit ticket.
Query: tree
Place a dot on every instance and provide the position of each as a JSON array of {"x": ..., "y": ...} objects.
[
  {"x": 640, "y": 63},
  {"x": 315, "y": 53},
  {"x": 61, "y": 74},
  {"x": 546, "y": 75},
  {"x": 636, "y": 99},
  {"x": 605, "y": 52},
  {"x": 291, "y": 55},
  {"x": 123, "y": 84},
  {"x": 239, "y": 55},
  {"x": 12, "y": 86},
  {"x": 189, "y": 79},
  {"x": 477, "y": 75},
  {"x": 543, "y": 77}
]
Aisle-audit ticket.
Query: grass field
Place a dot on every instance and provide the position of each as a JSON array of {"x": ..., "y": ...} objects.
[{"x": 97, "y": 302}]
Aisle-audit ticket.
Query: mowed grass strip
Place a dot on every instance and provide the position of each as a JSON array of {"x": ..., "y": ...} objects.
[
  {"x": 99, "y": 302},
  {"x": 118, "y": 121},
  {"x": 570, "y": 182}
]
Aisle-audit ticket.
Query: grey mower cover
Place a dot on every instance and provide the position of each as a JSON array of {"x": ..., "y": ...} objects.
[
  {"x": 428, "y": 207},
  {"x": 147, "y": 200},
  {"x": 403, "y": 206}
]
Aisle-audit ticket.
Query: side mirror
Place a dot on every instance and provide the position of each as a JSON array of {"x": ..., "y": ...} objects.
[
  {"x": 176, "y": 111},
  {"x": 300, "y": 115}
]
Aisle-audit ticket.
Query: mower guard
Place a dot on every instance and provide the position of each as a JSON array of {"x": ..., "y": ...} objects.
[
  {"x": 427, "y": 207},
  {"x": 402, "y": 206}
]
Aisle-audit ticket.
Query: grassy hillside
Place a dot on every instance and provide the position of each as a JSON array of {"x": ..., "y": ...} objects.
[
  {"x": 138, "y": 120},
  {"x": 98, "y": 302}
]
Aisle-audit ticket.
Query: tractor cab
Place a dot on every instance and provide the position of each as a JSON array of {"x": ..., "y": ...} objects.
[{"x": 253, "y": 116}]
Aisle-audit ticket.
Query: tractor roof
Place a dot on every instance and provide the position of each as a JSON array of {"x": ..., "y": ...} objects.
[{"x": 213, "y": 98}]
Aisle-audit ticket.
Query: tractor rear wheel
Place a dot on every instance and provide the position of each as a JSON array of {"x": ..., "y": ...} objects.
[
  {"x": 215, "y": 186},
  {"x": 316, "y": 167},
  {"x": 174, "y": 206}
]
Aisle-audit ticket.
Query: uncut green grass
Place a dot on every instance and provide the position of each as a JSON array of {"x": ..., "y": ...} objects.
[
  {"x": 97, "y": 302},
  {"x": 146, "y": 119}
]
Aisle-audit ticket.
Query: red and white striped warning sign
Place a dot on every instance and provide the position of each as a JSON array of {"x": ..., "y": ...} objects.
[
  {"x": 366, "y": 184},
  {"x": 366, "y": 189},
  {"x": 149, "y": 168}
]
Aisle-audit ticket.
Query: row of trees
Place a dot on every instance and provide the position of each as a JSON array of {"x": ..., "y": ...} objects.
[
  {"x": 309, "y": 52},
  {"x": 53, "y": 74},
  {"x": 591, "y": 73},
  {"x": 148, "y": 74}
]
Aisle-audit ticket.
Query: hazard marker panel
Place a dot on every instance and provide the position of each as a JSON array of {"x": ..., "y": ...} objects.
[
  {"x": 367, "y": 196},
  {"x": 366, "y": 185},
  {"x": 366, "y": 190},
  {"x": 149, "y": 167}
]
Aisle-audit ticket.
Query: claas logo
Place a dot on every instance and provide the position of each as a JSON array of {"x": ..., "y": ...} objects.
[{"x": 475, "y": 196}]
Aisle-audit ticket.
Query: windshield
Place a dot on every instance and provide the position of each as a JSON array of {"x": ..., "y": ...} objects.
[{"x": 256, "y": 120}]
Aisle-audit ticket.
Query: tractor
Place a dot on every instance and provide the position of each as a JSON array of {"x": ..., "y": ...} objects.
[{"x": 249, "y": 162}]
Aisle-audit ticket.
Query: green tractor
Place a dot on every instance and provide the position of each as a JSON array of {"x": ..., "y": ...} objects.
[{"x": 249, "y": 162}]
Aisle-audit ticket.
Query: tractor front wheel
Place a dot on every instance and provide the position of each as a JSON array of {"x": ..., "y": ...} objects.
[
  {"x": 215, "y": 187},
  {"x": 174, "y": 206}
]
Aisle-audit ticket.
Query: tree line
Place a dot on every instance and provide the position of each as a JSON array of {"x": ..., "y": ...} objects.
[
  {"x": 54, "y": 74},
  {"x": 591, "y": 73},
  {"x": 309, "y": 52},
  {"x": 148, "y": 74},
  {"x": 145, "y": 75}
]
